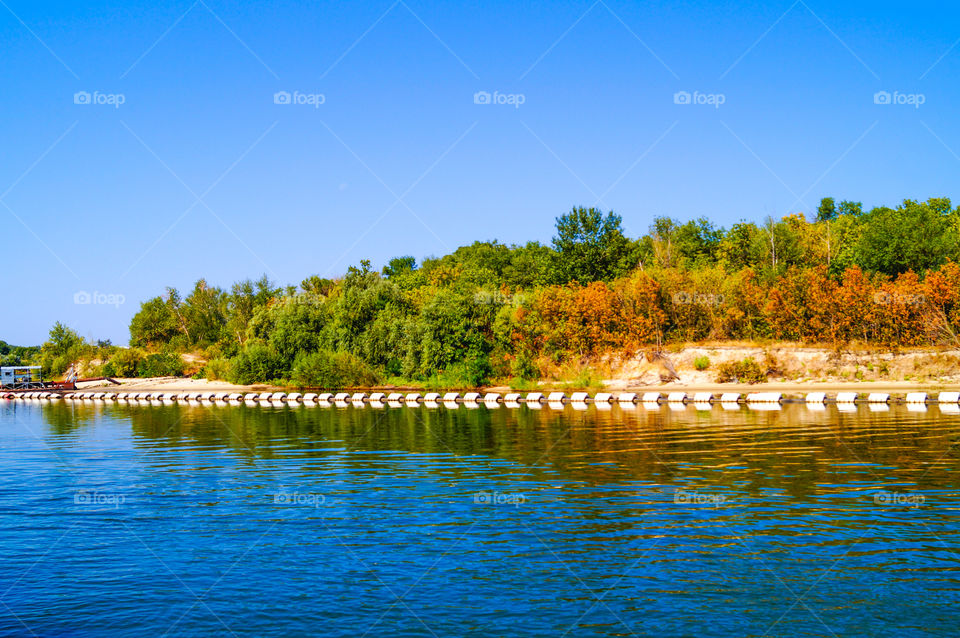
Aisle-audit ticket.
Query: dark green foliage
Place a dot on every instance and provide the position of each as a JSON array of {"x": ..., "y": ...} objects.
[
  {"x": 125, "y": 363},
  {"x": 160, "y": 365},
  {"x": 332, "y": 370},
  {"x": 154, "y": 325},
  {"x": 827, "y": 210},
  {"x": 257, "y": 363},
  {"x": 523, "y": 367},
  {"x": 297, "y": 325},
  {"x": 590, "y": 246},
  {"x": 16, "y": 355},
  {"x": 63, "y": 348},
  {"x": 399, "y": 266},
  {"x": 914, "y": 236}
]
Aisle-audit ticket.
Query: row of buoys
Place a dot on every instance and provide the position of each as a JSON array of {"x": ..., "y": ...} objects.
[{"x": 491, "y": 398}]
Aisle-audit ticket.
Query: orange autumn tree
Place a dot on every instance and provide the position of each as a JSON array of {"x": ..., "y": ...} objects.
[
  {"x": 643, "y": 317},
  {"x": 941, "y": 290},
  {"x": 578, "y": 321}
]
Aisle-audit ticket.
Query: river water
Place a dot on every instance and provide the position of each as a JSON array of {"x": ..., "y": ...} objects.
[{"x": 153, "y": 520}]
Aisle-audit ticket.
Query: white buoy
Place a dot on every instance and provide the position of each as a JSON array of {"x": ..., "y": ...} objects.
[
  {"x": 730, "y": 397},
  {"x": 651, "y": 397},
  {"x": 293, "y": 397},
  {"x": 847, "y": 397},
  {"x": 627, "y": 397},
  {"x": 378, "y": 396},
  {"x": 534, "y": 397},
  {"x": 395, "y": 397},
  {"x": 512, "y": 397},
  {"x": 412, "y": 397},
  {"x": 358, "y": 397},
  {"x": 451, "y": 397},
  {"x": 432, "y": 397},
  {"x": 603, "y": 397},
  {"x": 703, "y": 397},
  {"x": 278, "y": 396},
  {"x": 556, "y": 397},
  {"x": 579, "y": 397},
  {"x": 341, "y": 396},
  {"x": 916, "y": 397},
  {"x": 878, "y": 397},
  {"x": 677, "y": 397},
  {"x": 816, "y": 397},
  {"x": 491, "y": 397},
  {"x": 471, "y": 397},
  {"x": 948, "y": 397}
]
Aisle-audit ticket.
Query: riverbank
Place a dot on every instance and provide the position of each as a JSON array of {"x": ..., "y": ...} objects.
[{"x": 789, "y": 368}]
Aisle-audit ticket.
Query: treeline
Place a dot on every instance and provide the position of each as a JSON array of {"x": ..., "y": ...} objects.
[
  {"x": 488, "y": 311},
  {"x": 16, "y": 355}
]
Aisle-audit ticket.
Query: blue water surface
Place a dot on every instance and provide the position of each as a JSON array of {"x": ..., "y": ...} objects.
[{"x": 185, "y": 520}]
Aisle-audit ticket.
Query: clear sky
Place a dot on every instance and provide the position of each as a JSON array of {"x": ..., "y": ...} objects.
[{"x": 142, "y": 145}]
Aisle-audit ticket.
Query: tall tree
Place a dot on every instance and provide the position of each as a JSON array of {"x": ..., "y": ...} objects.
[{"x": 590, "y": 246}]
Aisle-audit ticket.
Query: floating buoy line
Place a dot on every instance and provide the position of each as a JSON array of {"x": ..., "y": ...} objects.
[{"x": 756, "y": 400}]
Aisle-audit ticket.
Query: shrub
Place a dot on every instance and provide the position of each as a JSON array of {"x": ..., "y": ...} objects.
[
  {"x": 701, "y": 363},
  {"x": 332, "y": 370},
  {"x": 746, "y": 371},
  {"x": 217, "y": 369},
  {"x": 523, "y": 367},
  {"x": 125, "y": 363},
  {"x": 257, "y": 363},
  {"x": 587, "y": 379},
  {"x": 161, "y": 365}
]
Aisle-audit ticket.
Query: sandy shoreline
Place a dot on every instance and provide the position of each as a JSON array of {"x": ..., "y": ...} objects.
[
  {"x": 787, "y": 388},
  {"x": 799, "y": 370}
]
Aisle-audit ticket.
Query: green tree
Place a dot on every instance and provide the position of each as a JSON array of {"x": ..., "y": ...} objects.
[
  {"x": 589, "y": 245},
  {"x": 63, "y": 347},
  {"x": 153, "y": 325},
  {"x": 850, "y": 208},
  {"x": 399, "y": 266},
  {"x": 827, "y": 210},
  {"x": 914, "y": 236}
]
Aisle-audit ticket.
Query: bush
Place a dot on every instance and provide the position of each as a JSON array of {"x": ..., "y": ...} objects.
[
  {"x": 161, "y": 365},
  {"x": 746, "y": 371},
  {"x": 257, "y": 363},
  {"x": 125, "y": 363},
  {"x": 701, "y": 363},
  {"x": 332, "y": 370},
  {"x": 217, "y": 369},
  {"x": 523, "y": 367}
]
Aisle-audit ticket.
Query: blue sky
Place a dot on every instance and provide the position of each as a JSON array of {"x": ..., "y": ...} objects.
[{"x": 199, "y": 173}]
